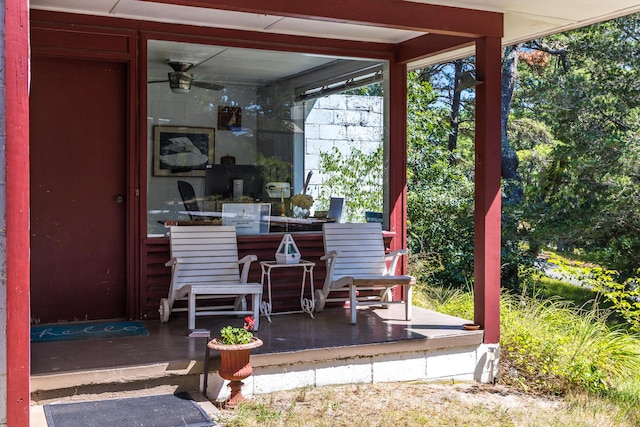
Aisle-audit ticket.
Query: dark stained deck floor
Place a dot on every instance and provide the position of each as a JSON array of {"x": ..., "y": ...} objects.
[{"x": 286, "y": 336}]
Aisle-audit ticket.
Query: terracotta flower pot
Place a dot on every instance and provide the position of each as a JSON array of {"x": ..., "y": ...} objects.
[{"x": 235, "y": 366}]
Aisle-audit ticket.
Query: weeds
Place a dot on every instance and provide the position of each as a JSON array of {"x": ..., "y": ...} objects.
[{"x": 427, "y": 404}]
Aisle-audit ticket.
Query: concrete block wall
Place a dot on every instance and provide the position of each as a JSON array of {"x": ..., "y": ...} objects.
[{"x": 343, "y": 122}]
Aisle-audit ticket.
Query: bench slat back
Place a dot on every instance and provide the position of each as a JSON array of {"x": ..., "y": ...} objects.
[
  {"x": 360, "y": 248},
  {"x": 207, "y": 254}
]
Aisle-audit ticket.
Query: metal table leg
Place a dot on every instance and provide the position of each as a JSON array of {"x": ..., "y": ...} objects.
[{"x": 207, "y": 354}]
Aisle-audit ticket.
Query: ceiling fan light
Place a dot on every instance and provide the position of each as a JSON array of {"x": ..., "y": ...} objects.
[{"x": 180, "y": 82}]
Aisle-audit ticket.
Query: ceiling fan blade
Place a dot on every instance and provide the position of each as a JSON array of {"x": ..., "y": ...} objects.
[
  {"x": 159, "y": 81},
  {"x": 207, "y": 85}
]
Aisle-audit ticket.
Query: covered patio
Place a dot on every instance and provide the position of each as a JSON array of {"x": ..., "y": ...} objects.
[{"x": 298, "y": 351}]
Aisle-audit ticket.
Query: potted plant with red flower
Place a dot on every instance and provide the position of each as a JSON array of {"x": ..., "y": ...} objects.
[{"x": 235, "y": 345}]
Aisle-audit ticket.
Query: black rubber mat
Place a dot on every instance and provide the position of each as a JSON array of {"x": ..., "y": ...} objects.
[{"x": 167, "y": 410}]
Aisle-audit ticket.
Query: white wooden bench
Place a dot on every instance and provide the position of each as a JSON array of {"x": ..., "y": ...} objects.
[
  {"x": 356, "y": 262},
  {"x": 204, "y": 265}
]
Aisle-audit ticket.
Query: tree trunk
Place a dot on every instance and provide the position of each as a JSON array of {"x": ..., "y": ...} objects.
[
  {"x": 510, "y": 161},
  {"x": 454, "y": 121}
]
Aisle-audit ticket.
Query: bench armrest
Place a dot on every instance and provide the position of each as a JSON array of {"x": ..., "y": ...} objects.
[
  {"x": 172, "y": 262},
  {"x": 329, "y": 255},
  {"x": 246, "y": 263},
  {"x": 394, "y": 257}
]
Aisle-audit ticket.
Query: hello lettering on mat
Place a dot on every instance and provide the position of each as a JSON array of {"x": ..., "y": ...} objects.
[
  {"x": 60, "y": 332},
  {"x": 89, "y": 330}
]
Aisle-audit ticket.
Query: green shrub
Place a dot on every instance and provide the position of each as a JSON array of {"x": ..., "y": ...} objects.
[
  {"x": 551, "y": 346},
  {"x": 624, "y": 297}
]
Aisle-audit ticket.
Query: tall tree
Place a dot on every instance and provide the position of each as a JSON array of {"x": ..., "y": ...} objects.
[
  {"x": 440, "y": 193},
  {"x": 588, "y": 95},
  {"x": 453, "y": 99},
  {"x": 454, "y": 117},
  {"x": 509, "y": 162}
]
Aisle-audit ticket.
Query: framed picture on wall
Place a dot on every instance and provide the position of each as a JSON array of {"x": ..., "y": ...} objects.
[
  {"x": 229, "y": 118},
  {"x": 182, "y": 151}
]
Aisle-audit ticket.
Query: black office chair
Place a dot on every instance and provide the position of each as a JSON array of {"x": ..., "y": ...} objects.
[{"x": 189, "y": 199}]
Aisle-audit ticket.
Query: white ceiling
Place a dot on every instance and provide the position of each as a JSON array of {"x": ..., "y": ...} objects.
[
  {"x": 233, "y": 66},
  {"x": 524, "y": 20}
]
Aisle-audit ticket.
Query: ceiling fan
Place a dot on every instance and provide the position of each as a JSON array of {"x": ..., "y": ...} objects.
[{"x": 181, "y": 80}]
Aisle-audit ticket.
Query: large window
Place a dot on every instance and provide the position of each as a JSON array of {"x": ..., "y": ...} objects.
[{"x": 234, "y": 131}]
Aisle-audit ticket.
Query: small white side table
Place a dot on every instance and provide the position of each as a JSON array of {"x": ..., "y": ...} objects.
[{"x": 306, "y": 304}]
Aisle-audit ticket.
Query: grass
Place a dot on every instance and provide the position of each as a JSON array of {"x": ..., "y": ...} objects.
[
  {"x": 579, "y": 296},
  {"x": 421, "y": 404},
  {"x": 561, "y": 364}
]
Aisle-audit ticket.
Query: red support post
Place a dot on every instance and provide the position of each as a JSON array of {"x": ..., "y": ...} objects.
[
  {"x": 16, "y": 54},
  {"x": 487, "y": 188},
  {"x": 396, "y": 148}
]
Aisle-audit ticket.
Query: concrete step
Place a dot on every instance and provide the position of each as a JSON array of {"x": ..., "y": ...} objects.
[{"x": 166, "y": 377}]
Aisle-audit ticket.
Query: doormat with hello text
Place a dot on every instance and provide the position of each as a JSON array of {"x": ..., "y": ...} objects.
[{"x": 83, "y": 331}]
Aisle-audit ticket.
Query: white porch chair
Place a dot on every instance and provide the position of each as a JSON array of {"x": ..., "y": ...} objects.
[
  {"x": 204, "y": 265},
  {"x": 356, "y": 261}
]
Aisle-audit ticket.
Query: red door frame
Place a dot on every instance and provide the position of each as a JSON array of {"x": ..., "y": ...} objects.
[{"x": 87, "y": 37}]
